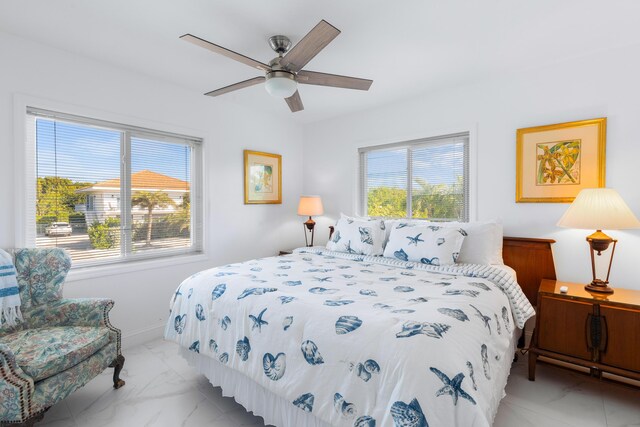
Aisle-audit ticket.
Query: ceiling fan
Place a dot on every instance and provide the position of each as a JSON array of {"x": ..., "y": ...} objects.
[{"x": 285, "y": 71}]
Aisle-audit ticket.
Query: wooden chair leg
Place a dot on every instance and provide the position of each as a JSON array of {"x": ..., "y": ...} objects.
[{"x": 117, "y": 367}]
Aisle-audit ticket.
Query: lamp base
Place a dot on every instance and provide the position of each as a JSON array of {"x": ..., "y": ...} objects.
[
  {"x": 599, "y": 286},
  {"x": 309, "y": 225},
  {"x": 599, "y": 242}
]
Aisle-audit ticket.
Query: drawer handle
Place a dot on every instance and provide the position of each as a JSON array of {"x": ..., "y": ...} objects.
[
  {"x": 604, "y": 338},
  {"x": 589, "y": 331},
  {"x": 596, "y": 331}
]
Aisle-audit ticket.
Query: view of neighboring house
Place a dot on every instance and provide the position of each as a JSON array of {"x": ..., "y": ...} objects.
[{"x": 103, "y": 198}]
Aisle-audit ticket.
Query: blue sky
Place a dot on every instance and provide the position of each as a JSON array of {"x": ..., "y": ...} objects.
[
  {"x": 436, "y": 164},
  {"x": 88, "y": 154}
]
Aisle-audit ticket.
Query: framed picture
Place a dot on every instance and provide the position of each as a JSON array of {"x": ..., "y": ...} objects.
[
  {"x": 555, "y": 162},
  {"x": 262, "y": 178}
]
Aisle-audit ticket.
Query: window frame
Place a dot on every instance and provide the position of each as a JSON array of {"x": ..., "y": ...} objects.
[
  {"x": 361, "y": 205},
  {"x": 25, "y": 156}
]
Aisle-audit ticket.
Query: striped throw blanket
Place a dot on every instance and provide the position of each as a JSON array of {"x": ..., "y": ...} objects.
[{"x": 9, "y": 293}]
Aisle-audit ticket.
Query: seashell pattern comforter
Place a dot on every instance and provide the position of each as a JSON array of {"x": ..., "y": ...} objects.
[{"x": 358, "y": 340}]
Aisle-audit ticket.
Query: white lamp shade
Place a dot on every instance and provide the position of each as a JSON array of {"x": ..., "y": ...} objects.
[
  {"x": 599, "y": 209},
  {"x": 310, "y": 206},
  {"x": 281, "y": 87}
]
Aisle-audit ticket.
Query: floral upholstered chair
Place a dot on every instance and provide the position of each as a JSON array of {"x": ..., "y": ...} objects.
[{"x": 59, "y": 346}]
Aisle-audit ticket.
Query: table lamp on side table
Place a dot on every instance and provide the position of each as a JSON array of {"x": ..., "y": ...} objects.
[
  {"x": 309, "y": 206},
  {"x": 599, "y": 208}
]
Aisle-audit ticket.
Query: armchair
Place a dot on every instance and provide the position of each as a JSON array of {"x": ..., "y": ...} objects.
[{"x": 59, "y": 346}]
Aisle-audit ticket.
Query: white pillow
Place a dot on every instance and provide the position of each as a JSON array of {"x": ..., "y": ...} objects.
[
  {"x": 483, "y": 243},
  {"x": 357, "y": 236},
  {"x": 391, "y": 223},
  {"x": 388, "y": 226},
  {"x": 429, "y": 244}
]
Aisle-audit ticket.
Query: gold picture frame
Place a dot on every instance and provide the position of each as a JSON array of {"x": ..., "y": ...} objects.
[
  {"x": 262, "y": 178},
  {"x": 555, "y": 162}
]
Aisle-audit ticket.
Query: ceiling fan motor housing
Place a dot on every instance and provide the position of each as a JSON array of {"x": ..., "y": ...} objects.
[
  {"x": 281, "y": 74},
  {"x": 281, "y": 44}
]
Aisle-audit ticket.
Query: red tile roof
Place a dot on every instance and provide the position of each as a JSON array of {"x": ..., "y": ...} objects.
[{"x": 144, "y": 180}]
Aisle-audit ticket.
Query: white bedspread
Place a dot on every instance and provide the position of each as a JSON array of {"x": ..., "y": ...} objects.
[{"x": 358, "y": 341}]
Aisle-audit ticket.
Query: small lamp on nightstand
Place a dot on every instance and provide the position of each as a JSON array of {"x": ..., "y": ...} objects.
[
  {"x": 599, "y": 208},
  {"x": 310, "y": 206}
]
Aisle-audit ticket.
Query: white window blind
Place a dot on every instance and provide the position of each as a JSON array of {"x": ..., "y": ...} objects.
[
  {"x": 425, "y": 178},
  {"x": 108, "y": 192}
]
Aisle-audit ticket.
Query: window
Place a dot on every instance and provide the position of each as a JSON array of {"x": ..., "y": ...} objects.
[
  {"x": 91, "y": 202},
  {"x": 418, "y": 179},
  {"x": 128, "y": 193}
]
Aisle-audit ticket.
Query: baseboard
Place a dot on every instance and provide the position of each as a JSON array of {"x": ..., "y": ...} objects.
[{"x": 142, "y": 336}]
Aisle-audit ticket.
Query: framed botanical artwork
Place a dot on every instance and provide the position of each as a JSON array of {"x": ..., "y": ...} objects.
[
  {"x": 555, "y": 162},
  {"x": 262, "y": 178}
]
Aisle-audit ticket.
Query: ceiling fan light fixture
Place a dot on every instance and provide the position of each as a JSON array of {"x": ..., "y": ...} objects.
[
  {"x": 281, "y": 84},
  {"x": 283, "y": 71}
]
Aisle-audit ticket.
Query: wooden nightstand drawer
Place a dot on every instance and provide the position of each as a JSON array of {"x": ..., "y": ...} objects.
[
  {"x": 563, "y": 326},
  {"x": 622, "y": 348},
  {"x": 597, "y": 331}
]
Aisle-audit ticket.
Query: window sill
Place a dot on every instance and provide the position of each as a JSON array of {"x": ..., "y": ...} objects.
[{"x": 91, "y": 272}]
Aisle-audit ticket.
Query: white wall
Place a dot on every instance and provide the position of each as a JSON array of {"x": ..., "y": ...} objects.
[
  {"x": 234, "y": 231},
  {"x": 604, "y": 84}
]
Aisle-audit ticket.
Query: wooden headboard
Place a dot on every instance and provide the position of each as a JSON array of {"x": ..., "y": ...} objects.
[{"x": 532, "y": 260}]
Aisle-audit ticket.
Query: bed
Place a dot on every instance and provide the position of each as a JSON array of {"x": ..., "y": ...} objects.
[{"x": 323, "y": 338}]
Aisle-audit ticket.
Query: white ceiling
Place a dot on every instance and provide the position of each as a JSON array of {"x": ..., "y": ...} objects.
[{"x": 407, "y": 47}]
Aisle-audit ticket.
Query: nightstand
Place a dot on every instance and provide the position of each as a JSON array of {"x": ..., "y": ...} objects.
[
  {"x": 597, "y": 331},
  {"x": 285, "y": 252}
]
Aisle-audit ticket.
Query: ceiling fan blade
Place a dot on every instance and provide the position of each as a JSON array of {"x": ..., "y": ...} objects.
[
  {"x": 295, "y": 102},
  {"x": 333, "y": 80},
  {"x": 310, "y": 45},
  {"x": 226, "y": 52},
  {"x": 236, "y": 86}
]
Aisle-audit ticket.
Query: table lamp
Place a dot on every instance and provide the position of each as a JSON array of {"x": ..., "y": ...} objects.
[
  {"x": 599, "y": 208},
  {"x": 309, "y": 206}
]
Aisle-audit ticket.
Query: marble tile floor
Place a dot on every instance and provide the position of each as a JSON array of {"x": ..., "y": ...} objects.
[{"x": 162, "y": 390}]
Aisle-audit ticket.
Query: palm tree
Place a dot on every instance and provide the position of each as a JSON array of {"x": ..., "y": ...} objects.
[
  {"x": 182, "y": 217},
  {"x": 437, "y": 200},
  {"x": 185, "y": 212},
  {"x": 150, "y": 200}
]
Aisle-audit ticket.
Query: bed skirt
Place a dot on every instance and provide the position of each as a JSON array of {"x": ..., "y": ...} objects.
[
  {"x": 274, "y": 409},
  {"x": 281, "y": 413}
]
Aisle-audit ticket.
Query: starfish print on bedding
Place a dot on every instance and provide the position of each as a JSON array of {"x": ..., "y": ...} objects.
[
  {"x": 415, "y": 240},
  {"x": 257, "y": 321},
  {"x": 349, "y": 249},
  {"x": 452, "y": 387}
]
